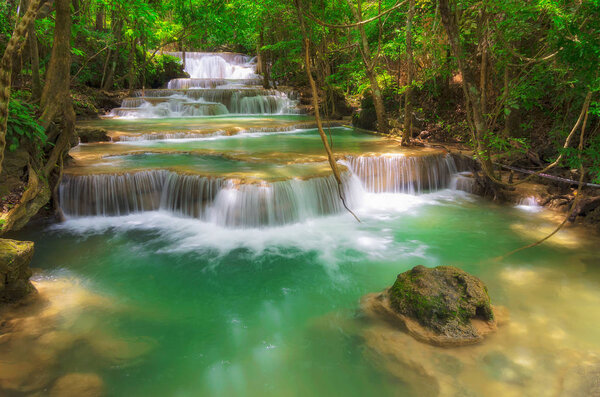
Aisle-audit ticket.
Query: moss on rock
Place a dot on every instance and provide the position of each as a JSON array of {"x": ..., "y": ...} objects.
[
  {"x": 92, "y": 134},
  {"x": 443, "y": 299},
  {"x": 15, "y": 257}
]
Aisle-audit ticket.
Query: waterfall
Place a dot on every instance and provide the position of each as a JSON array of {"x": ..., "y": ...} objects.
[
  {"x": 171, "y": 107},
  {"x": 283, "y": 202},
  {"x": 205, "y": 102},
  {"x": 464, "y": 181},
  {"x": 403, "y": 174},
  {"x": 219, "y": 83},
  {"x": 218, "y": 65},
  {"x": 223, "y": 202},
  {"x": 115, "y": 194},
  {"x": 184, "y": 84}
]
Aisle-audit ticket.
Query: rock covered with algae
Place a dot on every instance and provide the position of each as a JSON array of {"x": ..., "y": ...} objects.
[
  {"x": 14, "y": 269},
  {"x": 442, "y": 306}
]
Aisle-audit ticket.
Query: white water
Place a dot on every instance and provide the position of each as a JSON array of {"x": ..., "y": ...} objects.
[
  {"x": 234, "y": 204},
  {"x": 219, "y": 83},
  {"x": 326, "y": 235},
  {"x": 402, "y": 174},
  {"x": 219, "y": 201},
  {"x": 218, "y": 65}
]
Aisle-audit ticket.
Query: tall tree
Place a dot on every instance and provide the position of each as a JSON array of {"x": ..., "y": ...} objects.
[
  {"x": 408, "y": 95},
  {"x": 6, "y": 67},
  {"x": 370, "y": 63}
]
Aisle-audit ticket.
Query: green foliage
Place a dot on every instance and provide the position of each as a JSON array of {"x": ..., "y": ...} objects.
[
  {"x": 22, "y": 125},
  {"x": 161, "y": 69},
  {"x": 5, "y": 24},
  {"x": 550, "y": 49}
]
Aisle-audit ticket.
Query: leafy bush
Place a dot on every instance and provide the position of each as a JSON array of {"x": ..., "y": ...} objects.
[
  {"x": 22, "y": 124},
  {"x": 163, "y": 68}
]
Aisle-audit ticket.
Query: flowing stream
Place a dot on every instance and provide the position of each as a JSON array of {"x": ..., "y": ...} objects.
[{"x": 206, "y": 253}]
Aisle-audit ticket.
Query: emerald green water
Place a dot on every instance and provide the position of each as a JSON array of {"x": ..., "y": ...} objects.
[
  {"x": 211, "y": 165},
  {"x": 271, "y": 146},
  {"x": 193, "y": 123},
  {"x": 274, "y": 312},
  {"x": 161, "y": 305}
]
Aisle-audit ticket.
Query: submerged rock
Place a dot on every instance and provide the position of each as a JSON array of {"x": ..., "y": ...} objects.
[
  {"x": 78, "y": 385},
  {"x": 582, "y": 379},
  {"x": 14, "y": 269},
  {"x": 443, "y": 306}
]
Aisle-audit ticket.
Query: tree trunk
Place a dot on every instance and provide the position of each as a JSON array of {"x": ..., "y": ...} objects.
[
  {"x": 472, "y": 93},
  {"x": 36, "y": 84},
  {"x": 484, "y": 60},
  {"x": 408, "y": 106},
  {"x": 100, "y": 17},
  {"x": 6, "y": 68},
  {"x": 511, "y": 115},
  {"x": 263, "y": 60},
  {"x": 58, "y": 119},
  {"x": 56, "y": 89},
  {"x": 132, "y": 67},
  {"x": 34, "y": 57},
  {"x": 56, "y": 104},
  {"x": 113, "y": 55},
  {"x": 382, "y": 124}
]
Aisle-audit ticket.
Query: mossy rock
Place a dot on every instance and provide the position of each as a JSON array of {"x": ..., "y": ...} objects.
[
  {"x": 15, "y": 257},
  {"x": 443, "y": 299},
  {"x": 367, "y": 117},
  {"x": 442, "y": 306}
]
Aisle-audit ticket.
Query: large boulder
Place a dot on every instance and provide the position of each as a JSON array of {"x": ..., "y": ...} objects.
[
  {"x": 92, "y": 134},
  {"x": 15, "y": 257},
  {"x": 367, "y": 117},
  {"x": 443, "y": 306}
]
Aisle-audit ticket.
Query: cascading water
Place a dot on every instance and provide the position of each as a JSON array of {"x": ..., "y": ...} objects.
[
  {"x": 236, "y": 203},
  {"x": 226, "y": 83},
  {"x": 223, "y": 202},
  {"x": 218, "y": 65},
  {"x": 402, "y": 174},
  {"x": 219, "y": 83}
]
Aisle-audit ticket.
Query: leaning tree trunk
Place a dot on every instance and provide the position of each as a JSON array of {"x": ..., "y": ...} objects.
[
  {"x": 408, "y": 106},
  {"x": 6, "y": 65}
]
